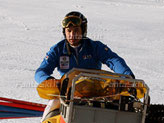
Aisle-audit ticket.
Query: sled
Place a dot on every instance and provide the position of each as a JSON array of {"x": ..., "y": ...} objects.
[
  {"x": 98, "y": 96},
  {"x": 94, "y": 96}
]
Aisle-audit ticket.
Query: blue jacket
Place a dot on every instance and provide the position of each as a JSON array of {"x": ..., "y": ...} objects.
[{"x": 91, "y": 55}]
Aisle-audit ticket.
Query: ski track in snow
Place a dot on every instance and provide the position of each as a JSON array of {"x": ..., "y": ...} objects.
[{"x": 131, "y": 28}]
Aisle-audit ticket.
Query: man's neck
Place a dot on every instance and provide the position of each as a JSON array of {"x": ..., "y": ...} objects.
[{"x": 75, "y": 46}]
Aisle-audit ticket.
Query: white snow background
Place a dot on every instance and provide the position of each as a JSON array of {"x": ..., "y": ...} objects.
[{"x": 28, "y": 28}]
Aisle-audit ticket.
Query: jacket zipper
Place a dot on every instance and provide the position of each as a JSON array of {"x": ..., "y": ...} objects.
[
  {"x": 76, "y": 59},
  {"x": 76, "y": 55}
]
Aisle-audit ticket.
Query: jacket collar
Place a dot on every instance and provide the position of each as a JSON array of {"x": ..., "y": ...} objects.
[{"x": 66, "y": 47}]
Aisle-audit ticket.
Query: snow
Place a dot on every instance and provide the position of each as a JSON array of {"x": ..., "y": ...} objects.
[{"x": 28, "y": 28}]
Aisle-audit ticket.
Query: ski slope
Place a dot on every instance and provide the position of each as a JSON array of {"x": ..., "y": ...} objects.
[{"x": 28, "y": 28}]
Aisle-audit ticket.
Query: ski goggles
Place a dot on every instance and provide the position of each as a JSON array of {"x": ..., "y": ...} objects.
[{"x": 74, "y": 20}]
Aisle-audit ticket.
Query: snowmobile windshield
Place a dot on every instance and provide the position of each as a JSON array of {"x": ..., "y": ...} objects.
[{"x": 74, "y": 20}]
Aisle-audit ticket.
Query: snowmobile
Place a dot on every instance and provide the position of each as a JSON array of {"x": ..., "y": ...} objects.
[{"x": 98, "y": 96}]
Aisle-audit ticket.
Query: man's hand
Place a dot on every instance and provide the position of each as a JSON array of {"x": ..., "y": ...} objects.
[
  {"x": 49, "y": 89},
  {"x": 56, "y": 82}
]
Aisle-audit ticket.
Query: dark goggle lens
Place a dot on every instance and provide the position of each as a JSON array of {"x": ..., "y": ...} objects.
[{"x": 75, "y": 21}]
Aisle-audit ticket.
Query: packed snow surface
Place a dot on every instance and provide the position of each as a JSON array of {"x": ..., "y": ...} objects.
[{"x": 28, "y": 28}]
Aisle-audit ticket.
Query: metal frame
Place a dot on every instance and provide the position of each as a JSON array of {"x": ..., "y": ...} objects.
[{"x": 92, "y": 74}]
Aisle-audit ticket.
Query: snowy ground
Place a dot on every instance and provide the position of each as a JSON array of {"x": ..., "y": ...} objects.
[{"x": 132, "y": 28}]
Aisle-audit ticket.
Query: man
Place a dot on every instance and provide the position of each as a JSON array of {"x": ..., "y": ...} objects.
[{"x": 78, "y": 51}]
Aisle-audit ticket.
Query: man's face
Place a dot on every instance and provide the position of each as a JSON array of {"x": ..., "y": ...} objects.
[{"x": 73, "y": 35}]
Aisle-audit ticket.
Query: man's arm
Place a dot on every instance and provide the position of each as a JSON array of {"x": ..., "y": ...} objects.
[
  {"x": 112, "y": 60},
  {"x": 47, "y": 66}
]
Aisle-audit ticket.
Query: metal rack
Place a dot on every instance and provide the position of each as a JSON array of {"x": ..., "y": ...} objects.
[{"x": 73, "y": 113}]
